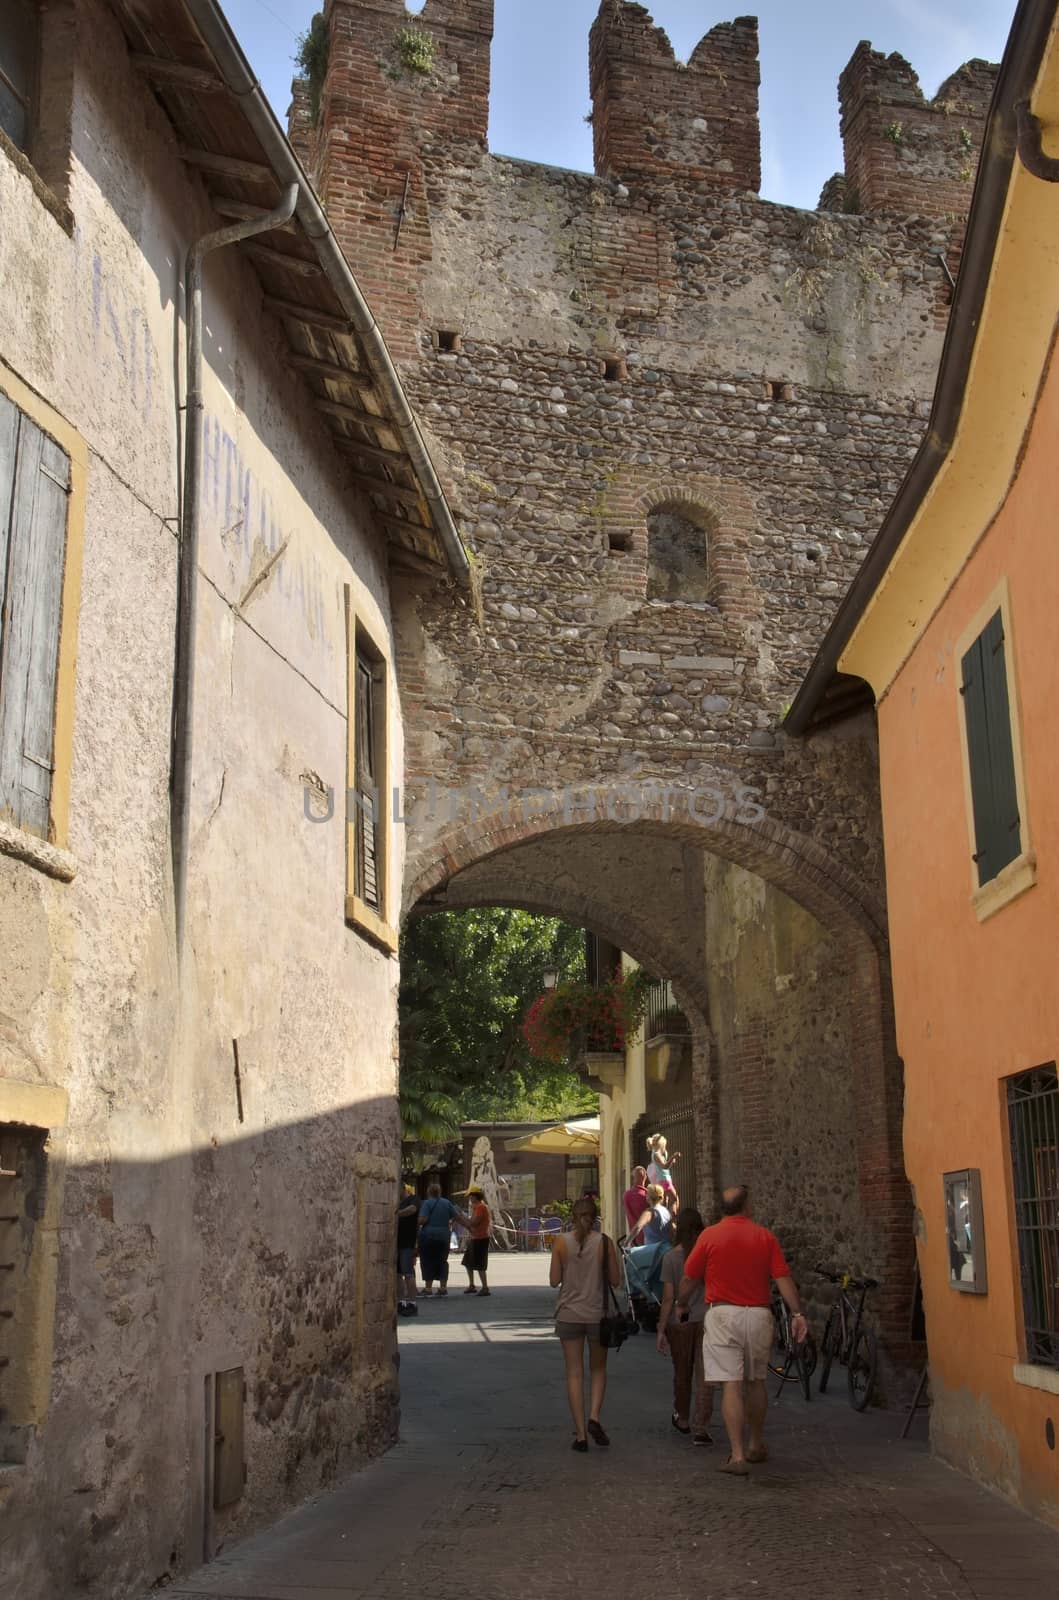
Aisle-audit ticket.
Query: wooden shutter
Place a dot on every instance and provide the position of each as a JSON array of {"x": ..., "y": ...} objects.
[
  {"x": 990, "y": 752},
  {"x": 367, "y": 822},
  {"x": 34, "y": 485}
]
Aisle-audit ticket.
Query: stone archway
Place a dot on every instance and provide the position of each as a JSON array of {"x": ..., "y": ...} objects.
[{"x": 780, "y": 965}]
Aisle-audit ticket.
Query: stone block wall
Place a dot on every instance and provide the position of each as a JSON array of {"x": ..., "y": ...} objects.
[{"x": 653, "y": 117}]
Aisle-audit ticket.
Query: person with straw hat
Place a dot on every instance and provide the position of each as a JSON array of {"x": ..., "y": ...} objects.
[{"x": 476, "y": 1255}]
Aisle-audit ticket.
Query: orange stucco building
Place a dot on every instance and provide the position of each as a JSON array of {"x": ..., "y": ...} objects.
[{"x": 953, "y": 624}]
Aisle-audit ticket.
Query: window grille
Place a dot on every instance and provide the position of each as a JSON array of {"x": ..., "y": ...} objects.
[{"x": 1033, "y": 1114}]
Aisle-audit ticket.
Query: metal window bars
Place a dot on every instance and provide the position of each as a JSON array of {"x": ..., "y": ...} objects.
[{"x": 1033, "y": 1117}]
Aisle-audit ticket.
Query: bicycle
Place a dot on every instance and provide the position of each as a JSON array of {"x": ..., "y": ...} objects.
[
  {"x": 792, "y": 1362},
  {"x": 848, "y": 1338}
]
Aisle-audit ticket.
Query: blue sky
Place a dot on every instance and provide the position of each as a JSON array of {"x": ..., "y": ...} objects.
[{"x": 540, "y": 67}]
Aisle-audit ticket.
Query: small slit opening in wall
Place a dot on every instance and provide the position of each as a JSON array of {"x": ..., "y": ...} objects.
[
  {"x": 238, "y": 1080},
  {"x": 615, "y": 369},
  {"x": 778, "y": 390},
  {"x": 448, "y": 342},
  {"x": 619, "y": 543}
]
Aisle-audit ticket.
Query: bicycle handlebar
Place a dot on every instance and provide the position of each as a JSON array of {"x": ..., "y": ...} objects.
[{"x": 845, "y": 1278}]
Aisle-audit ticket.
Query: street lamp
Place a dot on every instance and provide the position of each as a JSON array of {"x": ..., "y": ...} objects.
[{"x": 549, "y": 977}]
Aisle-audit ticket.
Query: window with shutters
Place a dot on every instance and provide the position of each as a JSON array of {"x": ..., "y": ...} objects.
[
  {"x": 368, "y": 812},
  {"x": 1001, "y": 863},
  {"x": 35, "y": 486}
]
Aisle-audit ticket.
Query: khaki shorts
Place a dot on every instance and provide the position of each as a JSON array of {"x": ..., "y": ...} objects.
[{"x": 736, "y": 1343}]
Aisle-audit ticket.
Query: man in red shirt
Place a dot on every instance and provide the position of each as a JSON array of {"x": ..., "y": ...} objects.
[
  {"x": 635, "y": 1202},
  {"x": 737, "y": 1261}
]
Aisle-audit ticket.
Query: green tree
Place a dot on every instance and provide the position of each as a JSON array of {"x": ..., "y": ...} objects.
[{"x": 467, "y": 980}]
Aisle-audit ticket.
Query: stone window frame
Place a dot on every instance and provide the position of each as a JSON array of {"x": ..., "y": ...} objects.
[
  {"x": 47, "y": 157},
  {"x": 51, "y": 855},
  {"x": 1021, "y": 873},
  {"x": 362, "y": 639}
]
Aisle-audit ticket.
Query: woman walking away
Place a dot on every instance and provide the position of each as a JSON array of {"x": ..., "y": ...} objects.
[
  {"x": 579, "y": 1259},
  {"x": 684, "y": 1339},
  {"x": 435, "y": 1227},
  {"x": 476, "y": 1255}
]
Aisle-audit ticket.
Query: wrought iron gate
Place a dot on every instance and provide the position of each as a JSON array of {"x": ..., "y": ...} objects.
[{"x": 678, "y": 1125}]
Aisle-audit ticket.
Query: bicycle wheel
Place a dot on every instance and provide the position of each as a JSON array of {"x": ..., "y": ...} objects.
[
  {"x": 805, "y": 1364},
  {"x": 780, "y": 1362},
  {"x": 860, "y": 1375},
  {"x": 828, "y": 1349}
]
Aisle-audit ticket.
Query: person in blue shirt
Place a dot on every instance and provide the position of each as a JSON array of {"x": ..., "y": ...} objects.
[{"x": 435, "y": 1228}]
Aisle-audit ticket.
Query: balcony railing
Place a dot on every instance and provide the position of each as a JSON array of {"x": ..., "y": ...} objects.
[{"x": 664, "y": 1016}]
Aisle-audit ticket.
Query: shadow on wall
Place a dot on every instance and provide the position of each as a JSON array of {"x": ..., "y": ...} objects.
[{"x": 223, "y": 1343}]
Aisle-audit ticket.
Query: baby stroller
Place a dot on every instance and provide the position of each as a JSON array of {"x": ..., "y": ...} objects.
[{"x": 643, "y": 1279}]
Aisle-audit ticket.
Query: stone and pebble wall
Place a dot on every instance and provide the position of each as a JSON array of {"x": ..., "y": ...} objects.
[{"x": 585, "y": 352}]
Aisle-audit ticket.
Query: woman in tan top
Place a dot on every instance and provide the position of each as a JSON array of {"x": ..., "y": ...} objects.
[{"x": 577, "y": 1272}]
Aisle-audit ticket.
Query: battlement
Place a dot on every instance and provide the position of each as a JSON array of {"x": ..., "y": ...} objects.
[
  {"x": 903, "y": 152},
  {"x": 655, "y": 117}
]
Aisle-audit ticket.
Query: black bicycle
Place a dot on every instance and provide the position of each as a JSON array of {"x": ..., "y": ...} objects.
[
  {"x": 790, "y": 1361},
  {"x": 847, "y": 1337}
]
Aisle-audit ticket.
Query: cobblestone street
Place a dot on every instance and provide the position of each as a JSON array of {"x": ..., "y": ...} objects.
[{"x": 484, "y": 1500}]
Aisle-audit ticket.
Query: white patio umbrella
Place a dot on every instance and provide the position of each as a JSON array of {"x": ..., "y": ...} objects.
[{"x": 563, "y": 1138}]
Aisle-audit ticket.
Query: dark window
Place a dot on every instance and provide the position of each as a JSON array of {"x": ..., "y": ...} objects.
[
  {"x": 368, "y": 879},
  {"x": 34, "y": 485},
  {"x": 449, "y": 342},
  {"x": 990, "y": 756},
  {"x": 22, "y": 1192},
  {"x": 602, "y": 960},
  {"x": 19, "y": 40},
  {"x": 615, "y": 369},
  {"x": 678, "y": 554},
  {"x": 1033, "y": 1114}
]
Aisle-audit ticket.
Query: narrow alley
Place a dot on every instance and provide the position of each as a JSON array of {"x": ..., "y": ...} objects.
[{"x": 483, "y": 1500}]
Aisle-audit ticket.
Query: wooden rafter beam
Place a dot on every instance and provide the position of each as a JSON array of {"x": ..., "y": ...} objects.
[
  {"x": 391, "y": 491},
  {"x": 312, "y": 316},
  {"x": 370, "y": 452},
  {"x": 180, "y": 73},
  {"x": 282, "y": 259},
  {"x": 240, "y": 211},
  {"x": 339, "y": 408},
  {"x": 328, "y": 369},
  {"x": 228, "y": 166}
]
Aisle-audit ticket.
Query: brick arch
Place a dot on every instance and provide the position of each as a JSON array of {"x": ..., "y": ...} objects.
[{"x": 805, "y": 871}]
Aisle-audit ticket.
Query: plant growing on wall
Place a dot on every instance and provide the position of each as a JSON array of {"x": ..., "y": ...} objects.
[
  {"x": 314, "y": 46},
  {"x": 417, "y": 50},
  {"x": 603, "y": 1016},
  {"x": 896, "y": 133}
]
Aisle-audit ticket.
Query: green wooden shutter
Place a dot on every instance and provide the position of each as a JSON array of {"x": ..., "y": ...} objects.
[
  {"x": 994, "y": 797},
  {"x": 34, "y": 485},
  {"x": 367, "y": 824}
]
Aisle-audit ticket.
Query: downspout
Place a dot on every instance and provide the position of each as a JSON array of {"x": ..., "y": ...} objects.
[
  {"x": 235, "y": 70},
  {"x": 188, "y": 560}
]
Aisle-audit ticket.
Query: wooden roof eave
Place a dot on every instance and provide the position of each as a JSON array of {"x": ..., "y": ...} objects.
[{"x": 357, "y": 395}]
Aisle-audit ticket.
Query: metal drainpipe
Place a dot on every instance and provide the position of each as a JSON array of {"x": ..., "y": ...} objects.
[{"x": 187, "y": 587}]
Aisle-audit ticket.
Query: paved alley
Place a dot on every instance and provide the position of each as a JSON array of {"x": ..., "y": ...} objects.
[{"x": 484, "y": 1500}]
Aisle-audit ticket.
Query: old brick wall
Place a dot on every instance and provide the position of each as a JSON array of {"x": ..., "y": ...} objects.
[{"x": 596, "y": 358}]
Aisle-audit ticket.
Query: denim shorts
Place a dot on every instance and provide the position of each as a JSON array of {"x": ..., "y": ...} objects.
[{"x": 406, "y": 1260}]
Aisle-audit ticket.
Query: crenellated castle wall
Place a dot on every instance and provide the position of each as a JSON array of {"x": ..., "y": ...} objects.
[{"x": 608, "y": 364}]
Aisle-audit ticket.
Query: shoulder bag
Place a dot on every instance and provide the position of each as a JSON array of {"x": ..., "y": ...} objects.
[{"x": 615, "y": 1325}]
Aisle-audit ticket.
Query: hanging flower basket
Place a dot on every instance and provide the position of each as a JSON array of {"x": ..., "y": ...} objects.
[{"x": 592, "y": 1017}]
